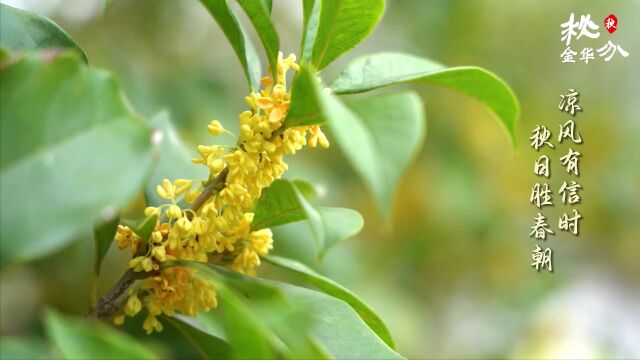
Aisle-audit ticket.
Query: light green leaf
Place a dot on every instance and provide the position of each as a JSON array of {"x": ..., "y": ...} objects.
[
  {"x": 240, "y": 43},
  {"x": 22, "y": 30},
  {"x": 336, "y": 290},
  {"x": 78, "y": 339},
  {"x": 173, "y": 159},
  {"x": 72, "y": 153},
  {"x": 257, "y": 319},
  {"x": 380, "y": 70},
  {"x": 337, "y": 329},
  {"x": 24, "y": 349},
  {"x": 103, "y": 235},
  {"x": 341, "y": 25},
  {"x": 381, "y": 135},
  {"x": 209, "y": 346},
  {"x": 259, "y": 15},
  {"x": 283, "y": 203},
  {"x": 310, "y": 15}
]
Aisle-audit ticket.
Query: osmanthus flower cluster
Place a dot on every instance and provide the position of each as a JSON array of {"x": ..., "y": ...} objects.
[{"x": 211, "y": 221}]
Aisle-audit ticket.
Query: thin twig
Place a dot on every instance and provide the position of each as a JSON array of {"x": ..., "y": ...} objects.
[
  {"x": 112, "y": 302},
  {"x": 216, "y": 184}
]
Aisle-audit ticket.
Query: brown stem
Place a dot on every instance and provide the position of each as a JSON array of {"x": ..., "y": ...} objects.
[
  {"x": 216, "y": 184},
  {"x": 112, "y": 302}
]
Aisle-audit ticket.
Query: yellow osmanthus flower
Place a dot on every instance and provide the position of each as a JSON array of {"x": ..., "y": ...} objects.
[{"x": 217, "y": 230}]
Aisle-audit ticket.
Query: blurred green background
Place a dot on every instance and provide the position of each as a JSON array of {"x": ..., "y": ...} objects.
[{"x": 450, "y": 271}]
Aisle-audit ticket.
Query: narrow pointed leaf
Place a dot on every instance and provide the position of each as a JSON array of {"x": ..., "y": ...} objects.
[
  {"x": 240, "y": 43},
  {"x": 103, "y": 237},
  {"x": 23, "y": 30},
  {"x": 336, "y": 328},
  {"x": 336, "y": 290},
  {"x": 380, "y": 70},
  {"x": 259, "y": 15}
]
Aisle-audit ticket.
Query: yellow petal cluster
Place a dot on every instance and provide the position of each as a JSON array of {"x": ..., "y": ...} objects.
[{"x": 217, "y": 230}]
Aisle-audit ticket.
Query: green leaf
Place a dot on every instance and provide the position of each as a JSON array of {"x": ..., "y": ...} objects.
[
  {"x": 258, "y": 320},
  {"x": 78, "y": 339},
  {"x": 173, "y": 159},
  {"x": 259, "y": 15},
  {"x": 336, "y": 290},
  {"x": 24, "y": 349},
  {"x": 341, "y": 25},
  {"x": 337, "y": 329},
  {"x": 72, "y": 153},
  {"x": 22, "y": 30},
  {"x": 380, "y": 136},
  {"x": 103, "y": 235},
  {"x": 209, "y": 346},
  {"x": 306, "y": 99},
  {"x": 310, "y": 15},
  {"x": 283, "y": 203},
  {"x": 240, "y": 43},
  {"x": 380, "y": 70},
  {"x": 339, "y": 224},
  {"x": 146, "y": 227}
]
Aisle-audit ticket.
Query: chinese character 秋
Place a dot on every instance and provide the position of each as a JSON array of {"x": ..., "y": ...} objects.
[
  {"x": 540, "y": 136},
  {"x": 567, "y": 55},
  {"x": 569, "y": 102},
  {"x": 541, "y": 228},
  {"x": 568, "y": 131},
  {"x": 570, "y": 192},
  {"x": 570, "y": 223},
  {"x": 541, "y": 166},
  {"x": 584, "y": 26},
  {"x": 571, "y": 161},
  {"x": 540, "y": 195},
  {"x": 541, "y": 258},
  {"x": 610, "y": 49}
]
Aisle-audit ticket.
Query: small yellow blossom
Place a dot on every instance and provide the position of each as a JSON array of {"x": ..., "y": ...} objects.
[
  {"x": 219, "y": 229},
  {"x": 215, "y": 128}
]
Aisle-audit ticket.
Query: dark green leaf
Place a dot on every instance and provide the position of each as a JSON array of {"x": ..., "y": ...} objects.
[
  {"x": 173, "y": 161},
  {"x": 72, "y": 153},
  {"x": 379, "y": 70},
  {"x": 146, "y": 227},
  {"x": 22, "y": 30},
  {"x": 241, "y": 44},
  {"x": 342, "y": 24},
  {"x": 336, "y": 290},
  {"x": 78, "y": 339},
  {"x": 209, "y": 346},
  {"x": 259, "y": 15},
  {"x": 306, "y": 98},
  {"x": 283, "y": 203},
  {"x": 103, "y": 235}
]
